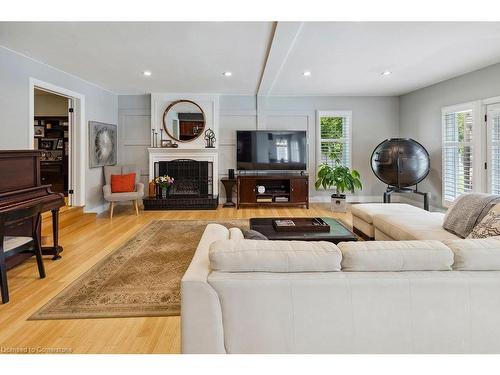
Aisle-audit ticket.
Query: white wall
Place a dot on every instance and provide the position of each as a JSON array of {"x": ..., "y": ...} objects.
[
  {"x": 420, "y": 115},
  {"x": 373, "y": 120},
  {"x": 134, "y": 132},
  {"x": 15, "y": 72}
]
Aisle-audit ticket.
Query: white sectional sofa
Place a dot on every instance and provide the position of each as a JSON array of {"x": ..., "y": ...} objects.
[
  {"x": 244, "y": 296},
  {"x": 398, "y": 222}
]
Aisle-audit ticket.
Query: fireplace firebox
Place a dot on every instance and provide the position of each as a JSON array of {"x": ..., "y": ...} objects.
[{"x": 192, "y": 188}]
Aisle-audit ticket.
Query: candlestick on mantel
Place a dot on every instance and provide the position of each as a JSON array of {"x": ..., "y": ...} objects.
[{"x": 156, "y": 139}]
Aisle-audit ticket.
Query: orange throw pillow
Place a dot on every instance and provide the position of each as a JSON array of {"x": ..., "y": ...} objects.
[{"x": 122, "y": 183}]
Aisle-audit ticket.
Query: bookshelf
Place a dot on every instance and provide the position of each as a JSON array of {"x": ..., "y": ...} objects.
[{"x": 52, "y": 138}]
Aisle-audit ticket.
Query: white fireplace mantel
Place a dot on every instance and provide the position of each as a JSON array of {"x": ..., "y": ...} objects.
[{"x": 200, "y": 154}]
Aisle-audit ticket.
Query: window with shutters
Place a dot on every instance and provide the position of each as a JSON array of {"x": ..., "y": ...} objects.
[
  {"x": 335, "y": 137},
  {"x": 493, "y": 141},
  {"x": 458, "y": 143}
]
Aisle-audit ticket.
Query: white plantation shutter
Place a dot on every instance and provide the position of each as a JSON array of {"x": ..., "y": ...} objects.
[
  {"x": 457, "y": 153},
  {"x": 494, "y": 148},
  {"x": 335, "y": 137}
]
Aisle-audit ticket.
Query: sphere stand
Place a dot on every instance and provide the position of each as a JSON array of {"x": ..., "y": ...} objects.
[{"x": 393, "y": 189}]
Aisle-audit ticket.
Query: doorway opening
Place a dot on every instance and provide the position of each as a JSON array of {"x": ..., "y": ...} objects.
[
  {"x": 52, "y": 134},
  {"x": 61, "y": 137}
]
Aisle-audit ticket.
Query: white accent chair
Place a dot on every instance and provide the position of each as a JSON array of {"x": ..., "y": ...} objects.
[{"x": 133, "y": 196}]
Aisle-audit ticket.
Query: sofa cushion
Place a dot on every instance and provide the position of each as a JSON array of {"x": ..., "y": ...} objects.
[
  {"x": 274, "y": 256},
  {"x": 235, "y": 234},
  {"x": 489, "y": 225},
  {"x": 396, "y": 256},
  {"x": 419, "y": 226},
  {"x": 475, "y": 254},
  {"x": 366, "y": 211}
]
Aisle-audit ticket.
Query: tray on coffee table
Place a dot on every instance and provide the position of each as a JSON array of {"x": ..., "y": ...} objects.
[
  {"x": 301, "y": 224},
  {"x": 338, "y": 231}
]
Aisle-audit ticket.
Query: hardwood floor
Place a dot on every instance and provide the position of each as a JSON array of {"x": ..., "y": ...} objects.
[{"x": 86, "y": 240}]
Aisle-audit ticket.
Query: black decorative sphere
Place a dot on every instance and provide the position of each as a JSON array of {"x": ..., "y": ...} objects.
[{"x": 400, "y": 162}]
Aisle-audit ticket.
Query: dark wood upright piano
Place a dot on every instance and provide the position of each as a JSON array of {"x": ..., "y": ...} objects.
[{"x": 20, "y": 187}]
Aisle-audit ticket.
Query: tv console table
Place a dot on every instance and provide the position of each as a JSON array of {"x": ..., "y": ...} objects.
[{"x": 279, "y": 190}]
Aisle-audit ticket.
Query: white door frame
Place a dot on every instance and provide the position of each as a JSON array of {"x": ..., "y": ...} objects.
[{"x": 79, "y": 136}]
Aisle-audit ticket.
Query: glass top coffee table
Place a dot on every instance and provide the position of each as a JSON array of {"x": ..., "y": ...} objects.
[{"x": 338, "y": 231}]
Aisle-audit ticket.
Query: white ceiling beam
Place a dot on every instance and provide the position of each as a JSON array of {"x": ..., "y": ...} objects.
[{"x": 283, "y": 41}]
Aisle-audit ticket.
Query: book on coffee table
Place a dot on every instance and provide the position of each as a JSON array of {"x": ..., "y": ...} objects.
[
  {"x": 284, "y": 223},
  {"x": 311, "y": 224}
]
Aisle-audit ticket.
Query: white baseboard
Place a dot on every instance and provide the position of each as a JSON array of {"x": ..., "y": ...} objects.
[
  {"x": 97, "y": 209},
  {"x": 350, "y": 199},
  {"x": 418, "y": 202}
]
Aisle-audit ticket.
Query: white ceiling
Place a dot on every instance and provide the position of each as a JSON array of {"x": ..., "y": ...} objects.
[
  {"x": 183, "y": 57},
  {"x": 348, "y": 58},
  {"x": 264, "y": 57}
]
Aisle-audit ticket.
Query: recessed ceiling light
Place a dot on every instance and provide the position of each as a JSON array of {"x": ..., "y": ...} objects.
[
  {"x": 386, "y": 73},
  {"x": 227, "y": 74},
  {"x": 307, "y": 73},
  {"x": 147, "y": 73}
]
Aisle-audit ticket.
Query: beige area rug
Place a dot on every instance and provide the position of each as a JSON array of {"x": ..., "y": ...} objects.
[{"x": 140, "y": 278}]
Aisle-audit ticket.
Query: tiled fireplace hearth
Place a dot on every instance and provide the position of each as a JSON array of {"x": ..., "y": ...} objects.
[{"x": 195, "y": 174}]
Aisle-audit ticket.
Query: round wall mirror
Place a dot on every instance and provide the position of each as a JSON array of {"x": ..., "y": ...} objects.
[{"x": 184, "y": 120}]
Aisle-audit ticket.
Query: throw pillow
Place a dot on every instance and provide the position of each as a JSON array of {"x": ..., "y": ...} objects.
[
  {"x": 122, "y": 183},
  {"x": 250, "y": 234},
  {"x": 468, "y": 210},
  {"x": 489, "y": 226}
]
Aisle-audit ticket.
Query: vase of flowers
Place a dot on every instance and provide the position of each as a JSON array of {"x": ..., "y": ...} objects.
[{"x": 164, "y": 183}]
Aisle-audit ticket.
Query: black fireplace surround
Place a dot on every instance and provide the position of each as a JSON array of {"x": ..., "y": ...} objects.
[{"x": 192, "y": 188}]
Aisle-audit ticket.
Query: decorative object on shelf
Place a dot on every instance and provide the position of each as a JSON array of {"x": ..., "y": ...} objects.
[
  {"x": 230, "y": 174},
  {"x": 60, "y": 144},
  {"x": 210, "y": 138},
  {"x": 401, "y": 163},
  {"x": 164, "y": 183},
  {"x": 156, "y": 139},
  {"x": 228, "y": 184},
  {"x": 39, "y": 131},
  {"x": 166, "y": 143},
  {"x": 184, "y": 120},
  {"x": 261, "y": 189},
  {"x": 102, "y": 144},
  {"x": 46, "y": 144},
  {"x": 152, "y": 188},
  {"x": 342, "y": 178},
  {"x": 161, "y": 137}
]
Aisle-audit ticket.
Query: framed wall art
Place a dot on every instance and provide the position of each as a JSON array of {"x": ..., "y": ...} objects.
[{"x": 102, "y": 144}]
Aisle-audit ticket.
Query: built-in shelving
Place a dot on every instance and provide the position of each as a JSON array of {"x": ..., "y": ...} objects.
[{"x": 52, "y": 138}]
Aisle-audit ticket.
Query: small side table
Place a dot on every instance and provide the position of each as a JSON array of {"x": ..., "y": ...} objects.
[{"x": 228, "y": 187}]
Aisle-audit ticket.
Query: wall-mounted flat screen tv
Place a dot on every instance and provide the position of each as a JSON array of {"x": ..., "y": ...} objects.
[{"x": 271, "y": 150}]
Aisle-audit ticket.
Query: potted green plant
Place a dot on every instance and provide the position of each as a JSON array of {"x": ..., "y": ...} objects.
[{"x": 343, "y": 178}]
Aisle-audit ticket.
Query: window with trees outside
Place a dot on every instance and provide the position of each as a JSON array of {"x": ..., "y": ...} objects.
[
  {"x": 335, "y": 137},
  {"x": 458, "y": 166}
]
